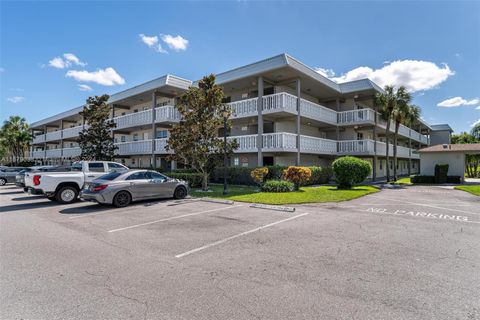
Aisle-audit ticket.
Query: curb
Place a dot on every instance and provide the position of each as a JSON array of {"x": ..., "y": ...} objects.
[
  {"x": 272, "y": 207},
  {"x": 217, "y": 201}
]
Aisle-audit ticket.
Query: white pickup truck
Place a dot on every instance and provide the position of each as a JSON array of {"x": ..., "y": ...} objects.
[{"x": 64, "y": 187}]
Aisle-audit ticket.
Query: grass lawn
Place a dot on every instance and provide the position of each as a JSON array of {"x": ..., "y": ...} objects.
[
  {"x": 470, "y": 189},
  {"x": 305, "y": 195},
  {"x": 405, "y": 180}
]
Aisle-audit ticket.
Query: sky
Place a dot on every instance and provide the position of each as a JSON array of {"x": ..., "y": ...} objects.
[{"x": 53, "y": 55}]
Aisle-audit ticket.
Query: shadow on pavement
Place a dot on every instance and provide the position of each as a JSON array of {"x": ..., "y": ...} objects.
[
  {"x": 27, "y": 206},
  {"x": 87, "y": 209},
  {"x": 11, "y": 192},
  {"x": 28, "y": 198}
]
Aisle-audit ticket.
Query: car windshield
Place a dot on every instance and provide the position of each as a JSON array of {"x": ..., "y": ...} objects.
[
  {"x": 77, "y": 166},
  {"x": 110, "y": 176}
]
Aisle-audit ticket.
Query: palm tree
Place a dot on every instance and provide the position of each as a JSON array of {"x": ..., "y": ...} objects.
[
  {"x": 399, "y": 114},
  {"x": 387, "y": 102},
  {"x": 15, "y": 136},
  {"x": 411, "y": 117}
]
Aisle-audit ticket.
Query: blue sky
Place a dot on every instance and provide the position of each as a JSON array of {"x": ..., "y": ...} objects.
[{"x": 432, "y": 47}]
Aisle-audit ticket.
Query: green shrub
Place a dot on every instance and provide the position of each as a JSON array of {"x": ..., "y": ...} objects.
[
  {"x": 320, "y": 175},
  {"x": 277, "y": 186},
  {"x": 275, "y": 172},
  {"x": 194, "y": 179},
  {"x": 350, "y": 171},
  {"x": 454, "y": 179},
  {"x": 299, "y": 176},
  {"x": 235, "y": 175},
  {"x": 441, "y": 172},
  {"x": 185, "y": 170}
]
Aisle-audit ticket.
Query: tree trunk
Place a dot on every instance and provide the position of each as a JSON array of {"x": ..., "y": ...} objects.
[
  {"x": 387, "y": 136},
  {"x": 205, "y": 181},
  {"x": 395, "y": 141}
]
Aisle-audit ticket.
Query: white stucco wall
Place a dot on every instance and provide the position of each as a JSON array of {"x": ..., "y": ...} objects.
[{"x": 455, "y": 161}]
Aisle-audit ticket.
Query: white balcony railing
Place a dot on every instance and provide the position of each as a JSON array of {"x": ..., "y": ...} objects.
[
  {"x": 317, "y": 145},
  {"x": 54, "y": 153},
  {"x": 54, "y": 135},
  {"x": 71, "y": 152},
  {"x": 39, "y": 154},
  {"x": 356, "y": 147},
  {"x": 160, "y": 145},
  {"x": 167, "y": 114},
  {"x": 72, "y": 132},
  {"x": 162, "y": 114},
  {"x": 317, "y": 112},
  {"x": 39, "y": 138},
  {"x": 280, "y": 141},
  {"x": 356, "y": 116},
  {"x": 277, "y": 101},
  {"x": 134, "y": 147},
  {"x": 244, "y": 108}
]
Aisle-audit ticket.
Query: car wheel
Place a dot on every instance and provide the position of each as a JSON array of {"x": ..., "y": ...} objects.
[
  {"x": 66, "y": 195},
  {"x": 3, "y": 181},
  {"x": 122, "y": 199},
  {"x": 180, "y": 193}
]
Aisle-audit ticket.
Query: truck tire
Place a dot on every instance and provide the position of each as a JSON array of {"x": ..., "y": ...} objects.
[
  {"x": 66, "y": 194},
  {"x": 122, "y": 199}
]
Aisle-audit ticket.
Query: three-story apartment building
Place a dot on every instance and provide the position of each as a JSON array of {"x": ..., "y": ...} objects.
[{"x": 284, "y": 113}]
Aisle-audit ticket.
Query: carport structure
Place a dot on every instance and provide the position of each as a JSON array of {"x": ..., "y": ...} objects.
[{"x": 455, "y": 155}]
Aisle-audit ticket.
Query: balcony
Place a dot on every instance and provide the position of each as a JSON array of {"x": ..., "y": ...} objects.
[
  {"x": 54, "y": 153},
  {"x": 271, "y": 142},
  {"x": 39, "y": 139},
  {"x": 39, "y": 154},
  {"x": 317, "y": 145},
  {"x": 54, "y": 135},
  {"x": 352, "y": 117},
  {"x": 366, "y": 147},
  {"x": 71, "y": 152},
  {"x": 72, "y": 132},
  {"x": 141, "y": 147},
  {"x": 142, "y": 118}
]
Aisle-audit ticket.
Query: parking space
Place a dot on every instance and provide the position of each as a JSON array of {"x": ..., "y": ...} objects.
[{"x": 409, "y": 253}]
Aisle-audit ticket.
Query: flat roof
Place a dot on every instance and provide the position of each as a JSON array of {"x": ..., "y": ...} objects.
[
  {"x": 467, "y": 147},
  {"x": 441, "y": 127}
]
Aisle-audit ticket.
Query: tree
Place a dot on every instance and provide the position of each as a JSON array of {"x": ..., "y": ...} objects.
[
  {"x": 411, "y": 117},
  {"x": 194, "y": 139},
  {"x": 476, "y": 131},
  {"x": 472, "y": 160},
  {"x": 387, "y": 102},
  {"x": 15, "y": 138},
  {"x": 399, "y": 114},
  {"x": 96, "y": 141}
]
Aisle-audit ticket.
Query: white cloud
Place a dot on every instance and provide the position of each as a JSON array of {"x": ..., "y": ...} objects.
[
  {"x": 329, "y": 73},
  {"x": 84, "y": 87},
  {"x": 475, "y": 123},
  {"x": 457, "y": 102},
  {"x": 152, "y": 42},
  {"x": 68, "y": 60},
  {"x": 477, "y": 108},
  {"x": 177, "y": 43},
  {"x": 415, "y": 75},
  {"x": 106, "y": 77},
  {"x": 16, "y": 99}
]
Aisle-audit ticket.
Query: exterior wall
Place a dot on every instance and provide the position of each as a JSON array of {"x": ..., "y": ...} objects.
[
  {"x": 455, "y": 161},
  {"x": 440, "y": 137}
]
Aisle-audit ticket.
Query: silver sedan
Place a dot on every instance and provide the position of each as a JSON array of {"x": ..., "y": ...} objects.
[{"x": 122, "y": 188}]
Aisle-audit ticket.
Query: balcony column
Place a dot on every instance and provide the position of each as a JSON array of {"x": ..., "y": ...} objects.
[
  {"x": 337, "y": 127},
  {"x": 154, "y": 105},
  {"x": 260, "y": 122},
  {"x": 298, "y": 88},
  {"x": 374, "y": 174},
  {"x": 32, "y": 132},
  {"x": 409, "y": 151},
  {"x": 44, "y": 143},
  {"x": 61, "y": 141}
]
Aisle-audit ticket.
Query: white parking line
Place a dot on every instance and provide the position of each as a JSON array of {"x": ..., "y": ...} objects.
[
  {"x": 173, "y": 218},
  {"x": 425, "y": 205},
  {"x": 216, "y": 243}
]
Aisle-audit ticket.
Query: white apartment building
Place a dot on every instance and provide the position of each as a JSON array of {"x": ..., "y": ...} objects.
[{"x": 284, "y": 113}]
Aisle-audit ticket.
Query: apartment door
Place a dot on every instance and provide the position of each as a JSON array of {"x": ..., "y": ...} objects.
[{"x": 268, "y": 161}]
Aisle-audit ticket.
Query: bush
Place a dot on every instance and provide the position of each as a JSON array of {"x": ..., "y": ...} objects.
[
  {"x": 258, "y": 175},
  {"x": 189, "y": 170},
  {"x": 299, "y": 176},
  {"x": 320, "y": 175},
  {"x": 275, "y": 172},
  {"x": 277, "y": 186},
  {"x": 350, "y": 171},
  {"x": 194, "y": 179},
  {"x": 422, "y": 179},
  {"x": 441, "y": 171},
  {"x": 454, "y": 179},
  {"x": 235, "y": 175}
]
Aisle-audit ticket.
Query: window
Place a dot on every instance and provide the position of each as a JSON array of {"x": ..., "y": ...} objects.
[
  {"x": 133, "y": 161},
  {"x": 110, "y": 176},
  {"x": 137, "y": 176},
  {"x": 96, "y": 167},
  {"x": 155, "y": 176},
  {"x": 227, "y": 99},
  {"x": 112, "y": 166},
  {"x": 123, "y": 113},
  {"x": 145, "y": 136},
  {"x": 123, "y": 138},
  {"x": 162, "y": 134},
  {"x": 359, "y": 135},
  {"x": 77, "y": 166},
  {"x": 135, "y": 137},
  {"x": 236, "y": 161},
  {"x": 71, "y": 144},
  {"x": 135, "y": 111}
]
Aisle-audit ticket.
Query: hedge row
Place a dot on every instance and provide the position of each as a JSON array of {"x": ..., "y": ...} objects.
[
  {"x": 194, "y": 179},
  {"x": 432, "y": 179}
]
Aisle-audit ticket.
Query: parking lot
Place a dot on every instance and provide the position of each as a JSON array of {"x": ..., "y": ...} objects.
[{"x": 409, "y": 253}]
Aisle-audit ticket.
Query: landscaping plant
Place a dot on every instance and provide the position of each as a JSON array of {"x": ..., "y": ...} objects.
[
  {"x": 258, "y": 175},
  {"x": 299, "y": 176},
  {"x": 441, "y": 172},
  {"x": 350, "y": 171},
  {"x": 278, "y": 186}
]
